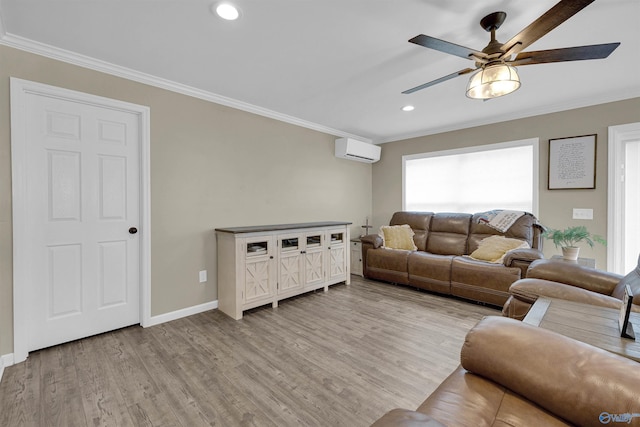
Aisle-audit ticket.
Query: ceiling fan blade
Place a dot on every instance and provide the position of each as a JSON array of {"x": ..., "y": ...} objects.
[
  {"x": 555, "y": 16},
  {"x": 579, "y": 53},
  {"x": 440, "y": 80},
  {"x": 446, "y": 47}
]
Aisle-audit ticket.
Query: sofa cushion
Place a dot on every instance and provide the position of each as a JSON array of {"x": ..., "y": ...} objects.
[
  {"x": 482, "y": 281},
  {"x": 568, "y": 378},
  {"x": 385, "y": 264},
  {"x": 419, "y": 223},
  {"x": 397, "y": 237},
  {"x": 522, "y": 229},
  {"x": 431, "y": 272},
  {"x": 448, "y": 234},
  {"x": 467, "y": 400},
  {"x": 494, "y": 248}
]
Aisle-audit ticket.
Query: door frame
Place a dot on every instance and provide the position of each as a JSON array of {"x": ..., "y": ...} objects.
[
  {"x": 19, "y": 90},
  {"x": 617, "y": 136}
]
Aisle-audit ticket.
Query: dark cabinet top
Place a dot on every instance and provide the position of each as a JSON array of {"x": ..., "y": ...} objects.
[{"x": 278, "y": 227}]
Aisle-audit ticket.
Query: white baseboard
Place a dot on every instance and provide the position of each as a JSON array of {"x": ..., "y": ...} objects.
[
  {"x": 178, "y": 314},
  {"x": 6, "y": 360}
]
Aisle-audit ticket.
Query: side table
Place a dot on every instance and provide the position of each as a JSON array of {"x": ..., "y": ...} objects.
[
  {"x": 585, "y": 262},
  {"x": 356, "y": 257},
  {"x": 590, "y": 324}
]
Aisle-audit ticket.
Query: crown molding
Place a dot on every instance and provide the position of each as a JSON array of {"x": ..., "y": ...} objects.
[
  {"x": 2, "y": 27},
  {"x": 522, "y": 114},
  {"x": 73, "y": 58}
]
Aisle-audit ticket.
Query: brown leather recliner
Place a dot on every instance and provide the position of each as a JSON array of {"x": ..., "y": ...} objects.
[
  {"x": 514, "y": 374},
  {"x": 441, "y": 262},
  {"x": 570, "y": 281}
]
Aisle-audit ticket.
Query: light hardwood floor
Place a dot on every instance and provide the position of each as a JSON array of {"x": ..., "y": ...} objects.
[{"x": 341, "y": 358}]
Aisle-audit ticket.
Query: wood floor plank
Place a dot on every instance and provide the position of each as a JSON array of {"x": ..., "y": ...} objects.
[
  {"x": 21, "y": 384},
  {"x": 60, "y": 397},
  {"x": 153, "y": 411},
  {"x": 101, "y": 398},
  {"x": 126, "y": 368},
  {"x": 337, "y": 358}
]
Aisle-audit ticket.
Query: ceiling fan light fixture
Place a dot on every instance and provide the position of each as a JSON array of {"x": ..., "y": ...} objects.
[
  {"x": 493, "y": 81},
  {"x": 227, "y": 11}
]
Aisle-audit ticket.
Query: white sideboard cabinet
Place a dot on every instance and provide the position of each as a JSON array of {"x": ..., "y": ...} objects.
[{"x": 261, "y": 265}]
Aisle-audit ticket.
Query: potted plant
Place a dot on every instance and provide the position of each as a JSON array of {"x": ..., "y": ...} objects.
[{"x": 569, "y": 237}]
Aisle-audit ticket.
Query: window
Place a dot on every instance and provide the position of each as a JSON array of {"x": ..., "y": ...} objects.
[{"x": 475, "y": 179}]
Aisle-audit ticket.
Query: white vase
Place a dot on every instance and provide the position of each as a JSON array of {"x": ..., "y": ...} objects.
[{"x": 570, "y": 253}]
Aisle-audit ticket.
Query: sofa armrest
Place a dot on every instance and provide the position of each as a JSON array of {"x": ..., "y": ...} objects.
[
  {"x": 372, "y": 239},
  {"x": 602, "y": 282},
  {"x": 528, "y": 290},
  {"x": 406, "y": 418},
  {"x": 522, "y": 259},
  {"x": 522, "y": 255},
  {"x": 568, "y": 378}
]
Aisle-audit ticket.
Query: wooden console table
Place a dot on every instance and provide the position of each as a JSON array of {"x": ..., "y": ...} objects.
[
  {"x": 585, "y": 262},
  {"x": 590, "y": 324}
]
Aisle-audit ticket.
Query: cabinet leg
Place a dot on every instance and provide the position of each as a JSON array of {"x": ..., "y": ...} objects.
[{"x": 274, "y": 304}]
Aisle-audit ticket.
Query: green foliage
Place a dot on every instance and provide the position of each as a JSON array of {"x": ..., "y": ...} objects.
[{"x": 570, "y": 236}]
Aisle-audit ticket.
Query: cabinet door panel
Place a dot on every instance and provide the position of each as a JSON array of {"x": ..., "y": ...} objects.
[
  {"x": 314, "y": 267},
  {"x": 337, "y": 262},
  {"x": 290, "y": 274},
  {"x": 338, "y": 255},
  {"x": 290, "y": 271},
  {"x": 259, "y": 277},
  {"x": 257, "y": 284}
]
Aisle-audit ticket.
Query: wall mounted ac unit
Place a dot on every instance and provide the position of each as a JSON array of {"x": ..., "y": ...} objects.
[{"x": 352, "y": 149}]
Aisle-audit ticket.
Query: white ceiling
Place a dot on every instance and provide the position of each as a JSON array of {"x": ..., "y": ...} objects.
[{"x": 338, "y": 66}]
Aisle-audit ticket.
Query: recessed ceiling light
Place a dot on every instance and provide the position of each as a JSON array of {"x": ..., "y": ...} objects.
[
  {"x": 227, "y": 11},
  {"x": 408, "y": 108}
]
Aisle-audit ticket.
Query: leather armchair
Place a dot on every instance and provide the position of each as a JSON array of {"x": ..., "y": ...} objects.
[
  {"x": 570, "y": 281},
  {"x": 514, "y": 374}
]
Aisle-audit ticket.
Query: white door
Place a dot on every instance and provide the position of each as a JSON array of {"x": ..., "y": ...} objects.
[
  {"x": 82, "y": 185},
  {"x": 623, "y": 246}
]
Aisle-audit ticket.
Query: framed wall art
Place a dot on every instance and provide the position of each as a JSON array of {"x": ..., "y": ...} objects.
[
  {"x": 626, "y": 327},
  {"x": 572, "y": 163}
]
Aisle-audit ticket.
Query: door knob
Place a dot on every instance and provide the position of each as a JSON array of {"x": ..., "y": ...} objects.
[{"x": 133, "y": 230}]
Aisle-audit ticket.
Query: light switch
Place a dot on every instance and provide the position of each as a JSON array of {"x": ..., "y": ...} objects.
[
  {"x": 582, "y": 213},
  {"x": 203, "y": 276}
]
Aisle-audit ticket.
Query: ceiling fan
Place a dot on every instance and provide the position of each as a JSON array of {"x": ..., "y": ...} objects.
[{"x": 495, "y": 64}]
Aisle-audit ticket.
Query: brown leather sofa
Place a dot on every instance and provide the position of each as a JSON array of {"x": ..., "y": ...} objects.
[
  {"x": 440, "y": 265},
  {"x": 573, "y": 282},
  {"x": 514, "y": 374}
]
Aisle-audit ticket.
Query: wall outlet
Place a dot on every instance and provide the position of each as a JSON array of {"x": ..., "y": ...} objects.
[
  {"x": 203, "y": 276},
  {"x": 582, "y": 213}
]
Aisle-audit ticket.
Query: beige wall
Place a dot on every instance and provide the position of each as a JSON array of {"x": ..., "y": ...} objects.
[
  {"x": 211, "y": 166},
  {"x": 555, "y": 206}
]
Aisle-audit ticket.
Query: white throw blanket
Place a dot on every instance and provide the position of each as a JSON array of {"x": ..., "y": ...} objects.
[{"x": 501, "y": 220}]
